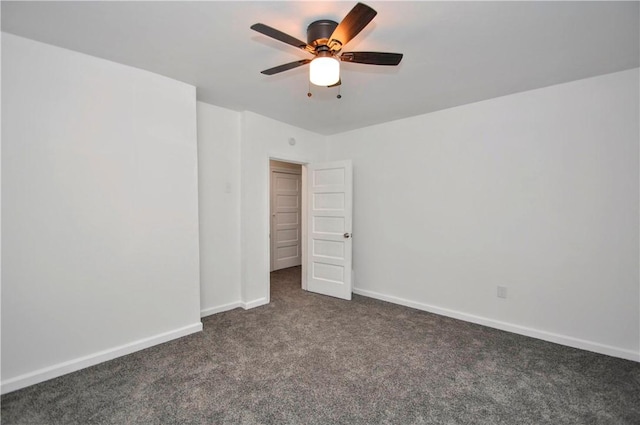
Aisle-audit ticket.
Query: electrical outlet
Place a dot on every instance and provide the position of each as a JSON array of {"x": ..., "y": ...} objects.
[{"x": 502, "y": 291}]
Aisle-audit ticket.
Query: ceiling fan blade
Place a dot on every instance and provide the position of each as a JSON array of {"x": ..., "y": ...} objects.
[
  {"x": 285, "y": 67},
  {"x": 280, "y": 36},
  {"x": 372, "y": 58},
  {"x": 358, "y": 18}
]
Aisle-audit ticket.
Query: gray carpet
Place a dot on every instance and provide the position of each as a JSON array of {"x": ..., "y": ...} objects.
[{"x": 311, "y": 359}]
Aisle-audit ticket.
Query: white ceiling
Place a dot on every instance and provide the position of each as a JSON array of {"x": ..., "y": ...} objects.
[{"x": 455, "y": 52}]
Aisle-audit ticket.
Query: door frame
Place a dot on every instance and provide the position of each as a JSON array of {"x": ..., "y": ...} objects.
[{"x": 303, "y": 211}]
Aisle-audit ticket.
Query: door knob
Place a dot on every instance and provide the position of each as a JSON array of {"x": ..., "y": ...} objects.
[{"x": 347, "y": 235}]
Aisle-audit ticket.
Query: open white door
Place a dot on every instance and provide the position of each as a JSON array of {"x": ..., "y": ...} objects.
[{"x": 329, "y": 191}]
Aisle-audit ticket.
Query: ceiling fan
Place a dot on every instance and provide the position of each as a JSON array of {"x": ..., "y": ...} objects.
[{"x": 325, "y": 40}]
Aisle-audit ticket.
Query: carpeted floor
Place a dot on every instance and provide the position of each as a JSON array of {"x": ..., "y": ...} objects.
[{"x": 311, "y": 359}]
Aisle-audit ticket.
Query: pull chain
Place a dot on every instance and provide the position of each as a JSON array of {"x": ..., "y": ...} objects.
[{"x": 339, "y": 96}]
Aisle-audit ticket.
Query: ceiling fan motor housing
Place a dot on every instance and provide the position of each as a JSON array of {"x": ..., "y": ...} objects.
[{"x": 318, "y": 32}]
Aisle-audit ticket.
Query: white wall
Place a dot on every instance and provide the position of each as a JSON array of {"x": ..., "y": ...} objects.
[
  {"x": 536, "y": 191},
  {"x": 263, "y": 138},
  {"x": 234, "y": 150},
  {"x": 99, "y": 213},
  {"x": 219, "y": 196}
]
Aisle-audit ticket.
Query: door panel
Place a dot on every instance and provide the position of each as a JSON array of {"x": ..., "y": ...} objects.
[
  {"x": 329, "y": 191},
  {"x": 286, "y": 219}
]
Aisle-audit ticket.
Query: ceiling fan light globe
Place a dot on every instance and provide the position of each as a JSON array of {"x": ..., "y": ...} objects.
[{"x": 324, "y": 71}]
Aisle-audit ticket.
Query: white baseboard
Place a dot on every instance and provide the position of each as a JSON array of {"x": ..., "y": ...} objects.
[
  {"x": 504, "y": 326},
  {"x": 226, "y": 307},
  {"x": 221, "y": 308},
  {"x": 255, "y": 303},
  {"x": 60, "y": 369}
]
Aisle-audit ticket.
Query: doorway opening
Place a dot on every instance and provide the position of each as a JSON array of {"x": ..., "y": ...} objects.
[
  {"x": 286, "y": 222},
  {"x": 286, "y": 214},
  {"x": 323, "y": 240}
]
